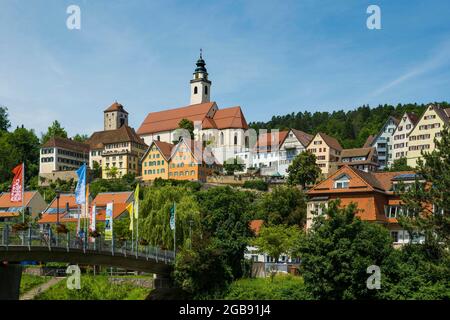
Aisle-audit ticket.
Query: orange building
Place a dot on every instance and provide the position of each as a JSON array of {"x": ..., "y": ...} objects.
[
  {"x": 373, "y": 192},
  {"x": 191, "y": 161},
  {"x": 69, "y": 209},
  {"x": 33, "y": 205},
  {"x": 155, "y": 162}
]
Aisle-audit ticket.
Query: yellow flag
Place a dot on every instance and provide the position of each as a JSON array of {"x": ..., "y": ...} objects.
[
  {"x": 136, "y": 202},
  {"x": 130, "y": 211}
]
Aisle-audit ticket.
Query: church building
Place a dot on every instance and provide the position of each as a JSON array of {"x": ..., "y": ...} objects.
[{"x": 224, "y": 130}]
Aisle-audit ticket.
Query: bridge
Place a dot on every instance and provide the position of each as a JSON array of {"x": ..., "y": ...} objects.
[{"x": 35, "y": 244}]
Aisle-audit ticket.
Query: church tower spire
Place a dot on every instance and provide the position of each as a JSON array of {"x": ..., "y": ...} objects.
[{"x": 200, "y": 85}]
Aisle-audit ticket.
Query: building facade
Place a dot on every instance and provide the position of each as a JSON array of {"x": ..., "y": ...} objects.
[
  {"x": 33, "y": 205},
  {"x": 62, "y": 154},
  {"x": 383, "y": 142},
  {"x": 117, "y": 149},
  {"x": 429, "y": 126},
  {"x": 327, "y": 151},
  {"x": 364, "y": 159},
  {"x": 374, "y": 193},
  {"x": 155, "y": 162},
  {"x": 400, "y": 137}
]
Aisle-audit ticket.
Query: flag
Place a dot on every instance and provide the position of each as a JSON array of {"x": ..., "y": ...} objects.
[
  {"x": 109, "y": 221},
  {"x": 172, "y": 217},
  {"x": 80, "y": 190},
  {"x": 92, "y": 218},
  {"x": 17, "y": 184},
  {"x": 136, "y": 202},
  {"x": 130, "y": 211}
]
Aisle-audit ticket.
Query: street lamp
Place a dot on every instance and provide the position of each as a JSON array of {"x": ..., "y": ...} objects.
[{"x": 58, "y": 193}]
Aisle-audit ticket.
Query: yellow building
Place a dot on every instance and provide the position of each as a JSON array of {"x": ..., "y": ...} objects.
[
  {"x": 155, "y": 162},
  {"x": 429, "y": 126},
  {"x": 191, "y": 161},
  {"x": 117, "y": 149},
  {"x": 327, "y": 151}
]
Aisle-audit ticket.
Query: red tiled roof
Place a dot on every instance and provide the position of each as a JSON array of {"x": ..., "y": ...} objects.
[
  {"x": 255, "y": 226},
  {"x": 168, "y": 120},
  {"x": 117, "y": 197},
  {"x": 330, "y": 141},
  {"x": 116, "y": 107},
  {"x": 269, "y": 138},
  {"x": 123, "y": 134},
  {"x": 5, "y": 199},
  {"x": 230, "y": 118},
  {"x": 65, "y": 143},
  {"x": 369, "y": 141},
  {"x": 303, "y": 137}
]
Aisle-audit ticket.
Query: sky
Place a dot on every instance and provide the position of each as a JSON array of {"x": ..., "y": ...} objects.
[{"x": 269, "y": 57}]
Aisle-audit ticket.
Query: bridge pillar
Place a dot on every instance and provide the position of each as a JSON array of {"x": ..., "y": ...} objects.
[
  {"x": 10, "y": 276},
  {"x": 161, "y": 281}
]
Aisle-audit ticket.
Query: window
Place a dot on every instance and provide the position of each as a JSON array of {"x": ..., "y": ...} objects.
[
  {"x": 195, "y": 90},
  {"x": 394, "y": 235},
  {"x": 206, "y": 89},
  {"x": 342, "y": 182}
]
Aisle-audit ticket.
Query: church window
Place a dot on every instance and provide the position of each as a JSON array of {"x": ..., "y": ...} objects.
[
  {"x": 195, "y": 90},
  {"x": 206, "y": 89}
]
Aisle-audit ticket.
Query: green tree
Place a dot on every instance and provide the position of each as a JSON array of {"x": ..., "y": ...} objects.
[
  {"x": 112, "y": 172},
  {"x": 80, "y": 137},
  {"x": 233, "y": 164},
  {"x": 303, "y": 170},
  {"x": 96, "y": 170},
  {"x": 430, "y": 200},
  {"x": 337, "y": 251},
  {"x": 4, "y": 121},
  {"x": 187, "y": 125},
  {"x": 55, "y": 130},
  {"x": 285, "y": 204},
  {"x": 399, "y": 165},
  {"x": 154, "y": 212},
  {"x": 225, "y": 214},
  {"x": 277, "y": 240}
]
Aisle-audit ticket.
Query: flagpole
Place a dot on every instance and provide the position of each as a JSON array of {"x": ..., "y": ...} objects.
[
  {"x": 132, "y": 228},
  {"x": 175, "y": 228},
  {"x": 23, "y": 191},
  {"x": 137, "y": 221}
]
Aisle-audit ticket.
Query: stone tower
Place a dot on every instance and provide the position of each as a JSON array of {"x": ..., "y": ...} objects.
[{"x": 200, "y": 85}]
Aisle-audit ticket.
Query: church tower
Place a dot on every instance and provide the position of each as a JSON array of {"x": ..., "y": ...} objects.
[
  {"x": 115, "y": 117},
  {"x": 200, "y": 85}
]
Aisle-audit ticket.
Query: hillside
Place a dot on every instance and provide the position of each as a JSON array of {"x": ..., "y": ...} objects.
[{"x": 351, "y": 128}]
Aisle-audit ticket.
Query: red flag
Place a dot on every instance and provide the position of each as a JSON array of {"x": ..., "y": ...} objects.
[{"x": 16, "y": 187}]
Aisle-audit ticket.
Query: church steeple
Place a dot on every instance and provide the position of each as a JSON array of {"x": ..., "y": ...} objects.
[{"x": 200, "y": 85}]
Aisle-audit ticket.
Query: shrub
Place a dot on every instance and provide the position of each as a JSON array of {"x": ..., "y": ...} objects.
[{"x": 256, "y": 184}]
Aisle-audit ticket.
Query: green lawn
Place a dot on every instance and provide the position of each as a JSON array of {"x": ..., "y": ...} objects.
[
  {"x": 29, "y": 281},
  {"x": 95, "y": 288},
  {"x": 283, "y": 287}
]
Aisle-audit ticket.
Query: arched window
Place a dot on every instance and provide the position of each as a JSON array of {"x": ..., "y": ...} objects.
[
  {"x": 206, "y": 89},
  {"x": 235, "y": 139},
  {"x": 195, "y": 90},
  {"x": 221, "y": 138}
]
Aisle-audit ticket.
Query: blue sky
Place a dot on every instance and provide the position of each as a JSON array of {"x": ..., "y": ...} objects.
[{"x": 269, "y": 57}]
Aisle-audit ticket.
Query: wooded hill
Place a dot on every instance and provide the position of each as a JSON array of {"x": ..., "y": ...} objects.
[{"x": 351, "y": 128}]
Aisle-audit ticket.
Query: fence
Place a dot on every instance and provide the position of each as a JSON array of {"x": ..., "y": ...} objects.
[{"x": 46, "y": 238}]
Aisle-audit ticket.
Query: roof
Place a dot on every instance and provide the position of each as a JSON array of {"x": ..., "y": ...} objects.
[
  {"x": 65, "y": 143},
  {"x": 117, "y": 197},
  {"x": 330, "y": 141},
  {"x": 269, "y": 139},
  {"x": 366, "y": 181},
  {"x": 357, "y": 152},
  {"x": 303, "y": 137},
  {"x": 165, "y": 149},
  {"x": 116, "y": 107},
  {"x": 369, "y": 141},
  {"x": 196, "y": 148},
  {"x": 414, "y": 118},
  {"x": 5, "y": 199},
  {"x": 255, "y": 226},
  {"x": 229, "y": 118},
  {"x": 123, "y": 134},
  {"x": 444, "y": 114},
  {"x": 168, "y": 120}
]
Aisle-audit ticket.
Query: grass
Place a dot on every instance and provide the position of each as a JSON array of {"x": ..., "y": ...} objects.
[
  {"x": 29, "y": 282},
  {"x": 95, "y": 288},
  {"x": 283, "y": 287}
]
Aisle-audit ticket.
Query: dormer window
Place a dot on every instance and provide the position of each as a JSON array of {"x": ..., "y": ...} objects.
[{"x": 342, "y": 182}]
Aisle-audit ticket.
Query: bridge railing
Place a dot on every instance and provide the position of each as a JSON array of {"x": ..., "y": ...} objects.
[{"x": 43, "y": 237}]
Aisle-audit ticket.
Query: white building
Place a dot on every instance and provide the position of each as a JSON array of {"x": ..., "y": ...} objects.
[
  {"x": 62, "y": 154},
  {"x": 383, "y": 142},
  {"x": 225, "y": 130},
  {"x": 401, "y": 136}
]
